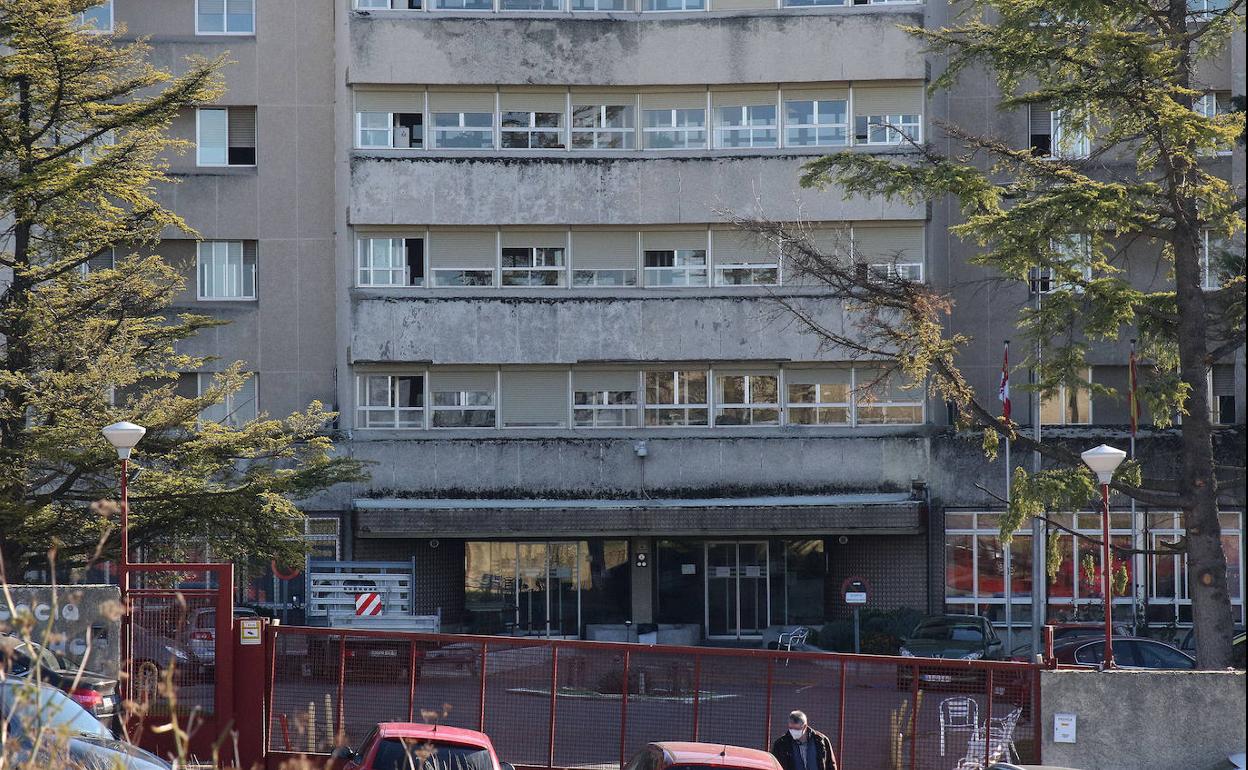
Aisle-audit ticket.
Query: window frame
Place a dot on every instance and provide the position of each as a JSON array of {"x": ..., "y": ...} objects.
[
  {"x": 559, "y": 131},
  {"x": 225, "y": 22},
  {"x": 819, "y": 404},
  {"x": 628, "y": 132},
  {"x": 1062, "y": 400},
  {"x": 672, "y": 128},
  {"x": 199, "y": 162},
  {"x": 750, "y": 267},
  {"x": 229, "y": 406},
  {"x": 362, "y": 395},
  {"x": 680, "y": 390},
  {"x": 463, "y": 409},
  {"x": 364, "y": 248},
  {"x": 596, "y": 409},
  {"x": 745, "y": 115},
  {"x": 560, "y": 271},
  {"x": 647, "y": 7},
  {"x": 435, "y": 131},
  {"x": 255, "y": 271},
  {"x": 817, "y": 125},
  {"x": 893, "y": 127},
  {"x": 94, "y": 30},
  {"x": 749, "y": 405},
  {"x": 677, "y": 267}
]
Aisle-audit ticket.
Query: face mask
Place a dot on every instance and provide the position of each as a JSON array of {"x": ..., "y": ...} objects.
[{"x": 797, "y": 734}]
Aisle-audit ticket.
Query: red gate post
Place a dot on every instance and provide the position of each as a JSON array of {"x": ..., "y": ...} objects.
[
  {"x": 554, "y": 692},
  {"x": 697, "y": 692},
  {"x": 1036, "y": 726},
  {"x": 914, "y": 715},
  {"x": 840, "y": 730},
  {"x": 411, "y": 680},
  {"x": 988, "y": 723},
  {"x": 771, "y": 680},
  {"x": 481, "y": 703},
  {"x": 252, "y": 658},
  {"x": 339, "y": 720},
  {"x": 624, "y": 710}
]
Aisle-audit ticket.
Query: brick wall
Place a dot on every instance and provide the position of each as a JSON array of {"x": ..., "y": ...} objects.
[
  {"x": 439, "y": 571},
  {"x": 895, "y": 568}
]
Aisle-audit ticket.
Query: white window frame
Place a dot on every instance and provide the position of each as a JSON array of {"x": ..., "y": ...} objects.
[
  {"x": 1209, "y": 277},
  {"x": 396, "y": 412},
  {"x": 685, "y": 7},
  {"x": 601, "y": 131},
  {"x": 753, "y": 268},
  {"x": 596, "y": 272},
  {"x": 199, "y": 111},
  {"x": 558, "y": 3},
  {"x": 750, "y": 406},
  {"x": 203, "y": 381},
  {"x": 239, "y": 279},
  {"x": 315, "y": 538},
  {"x": 597, "y": 7},
  {"x": 225, "y": 22},
  {"x": 360, "y": 144},
  {"x": 744, "y": 113},
  {"x": 678, "y": 267},
  {"x": 94, "y": 30},
  {"x": 437, "y": 131},
  {"x": 560, "y": 270},
  {"x": 461, "y": 408},
  {"x": 601, "y": 404},
  {"x": 819, "y": 403},
  {"x": 1061, "y": 395},
  {"x": 895, "y": 128},
  {"x": 680, "y": 389},
  {"x": 366, "y": 5},
  {"x": 860, "y": 391},
  {"x": 892, "y": 271},
  {"x": 1080, "y": 147},
  {"x": 532, "y": 130},
  {"x": 1203, "y": 10},
  {"x": 365, "y": 265},
  {"x": 441, "y": 5},
  {"x": 671, "y": 127},
  {"x": 817, "y": 125}
]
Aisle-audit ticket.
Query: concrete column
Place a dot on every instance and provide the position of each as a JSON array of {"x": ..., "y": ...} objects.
[{"x": 642, "y": 580}]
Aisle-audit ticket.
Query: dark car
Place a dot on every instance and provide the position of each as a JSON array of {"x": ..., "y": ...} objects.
[
  {"x": 93, "y": 691},
  {"x": 47, "y": 729},
  {"x": 1129, "y": 652},
  {"x": 1188, "y": 644},
  {"x": 958, "y": 637}
]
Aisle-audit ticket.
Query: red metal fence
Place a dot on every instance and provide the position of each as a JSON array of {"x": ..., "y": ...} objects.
[{"x": 571, "y": 704}]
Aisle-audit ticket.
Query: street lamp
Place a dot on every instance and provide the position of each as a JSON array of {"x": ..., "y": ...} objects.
[
  {"x": 1104, "y": 460},
  {"x": 124, "y": 436}
]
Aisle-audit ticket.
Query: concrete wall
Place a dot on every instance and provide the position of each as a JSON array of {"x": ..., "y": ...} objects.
[
  {"x": 1144, "y": 720},
  {"x": 651, "y": 49},
  {"x": 73, "y": 620}
]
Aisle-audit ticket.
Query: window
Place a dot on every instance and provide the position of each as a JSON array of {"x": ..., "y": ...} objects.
[
  {"x": 104, "y": 260},
  {"x": 1073, "y": 257},
  {"x": 385, "y": 5},
  {"x": 1202, "y": 10},
  {"x": 96, "y": 147},
  {"x": 747, "y": 399},
  {"x": 818, "y": 396},
  {"x": 886, "y": 398},
  {"x": 390, "y": 129},
  {"x": 225, "y": 17},
  {"x": 531, "y": 5},
  {"x": 390, "y": 401},
  {"x": 463, "y": 399},
  {"x": 227, "y": 270},
  {"x": 321, "y": 535},
  {"x": 465, "y": 5},
  {"x": 1052, "y": 136},
  {"x": 604, "y": 258},
  {"x": 234, "y": 409},
  {"x": 534, "y": 398},
  {"x": 226, "y": 136},
  {"x": 740, "y": 126},
  {"x": 463, "y": 130},
  {"x": 886, "y": 129},
  {"x": 675, "y": 398},
  {"x": 888, "y": 115},
  {"x": 1214, "y": 253},
  {"x": 1068, "y": 405},
  {"x": 1222, "y": 394},
  {"x": 675, "y": 5},
  {"x": 896, "y": 271},
  {"x": 602, "y": 5},
  {"x": 391, "y": 261},
  {"x": 533, "y": 266},
  {"x": 604, "y": 398},
  {"x": 676, "y": 267},
  {"x": 889, "y": 253},
  {"x": 463, "y": 257},
  {"x": 744, "y": 259},
  {"x": 674, "y": 129},
  {"x": 602, "y": 126},
  {"x": 816, "y": 122},
  {"x": 1213, "y": 104},
  {"x": 98, "y": 18},
  {"x": 532, "y": 126}
]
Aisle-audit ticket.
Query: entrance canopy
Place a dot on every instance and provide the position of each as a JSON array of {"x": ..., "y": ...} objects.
[{"x": 877, "y": 514}]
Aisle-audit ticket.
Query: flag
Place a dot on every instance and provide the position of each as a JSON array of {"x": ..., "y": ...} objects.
[
  {"x": 1003, "y": 392},
  {"x": 1135, "y": 399}
]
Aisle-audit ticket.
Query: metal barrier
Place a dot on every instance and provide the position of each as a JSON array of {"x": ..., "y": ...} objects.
[{"x": 571, "y": 704}]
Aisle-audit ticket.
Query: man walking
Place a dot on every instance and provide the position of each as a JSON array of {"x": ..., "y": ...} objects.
[{"x": 803, "y": 747}]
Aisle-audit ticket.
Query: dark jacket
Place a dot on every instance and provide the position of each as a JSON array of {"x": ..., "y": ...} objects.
[{"x": 783, "y": 750}]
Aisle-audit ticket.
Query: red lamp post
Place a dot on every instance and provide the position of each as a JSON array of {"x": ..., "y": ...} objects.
[
  {"x": 1104, "y": 460},
  {"x": 124, "y": 436}
]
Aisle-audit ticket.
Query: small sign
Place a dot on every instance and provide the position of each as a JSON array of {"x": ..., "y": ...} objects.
[
  {"x": 753, "y": 570},
  {"x": 855, "y": 597},
  {"x": 249, "y": 631},
  {"x": 721, "y": 572},
  {"x": 1063, "y": 728},
  {"x": 688, "y": 569},
  {"x": 368, "y": 604},
  {"x": 641, "y": 560},
  {"x": 854, "y": 590}
]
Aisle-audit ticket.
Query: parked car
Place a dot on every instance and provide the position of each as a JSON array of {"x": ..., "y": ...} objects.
[
  {"x": 961, "y": 637},
  {"x": 1129, "y": 652},
  {"x": 46, "y": 727},
  {"x": 1064, "y": 632},
  {"x": 202, "y": 639},
  {"x": 413, "y": 746},
  {"x": 93, "y": 691},
  {"x": 1188, "y": 644},
  {"x": 680, "y": 754}
]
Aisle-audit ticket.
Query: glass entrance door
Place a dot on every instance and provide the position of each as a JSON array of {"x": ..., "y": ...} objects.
[
  {"x": 737, "y": 590},
  {"x": 548, "y": 589}
]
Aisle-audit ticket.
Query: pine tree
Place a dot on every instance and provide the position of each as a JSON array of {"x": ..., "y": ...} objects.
[
  {"x": 1123, "y": 74},
  {"x": 83, "y": 130}
]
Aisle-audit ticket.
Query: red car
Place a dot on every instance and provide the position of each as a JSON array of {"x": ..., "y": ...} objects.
[
  {"x": 702, "y": 756},
  {"x": 408, "y": 745}
]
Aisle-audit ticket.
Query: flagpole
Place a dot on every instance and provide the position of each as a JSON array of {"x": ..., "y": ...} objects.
[
  {"x": 1005, "y": 411},
  {"x": 1039, "y": 532},
  {"x": 1135, "y": 560}
]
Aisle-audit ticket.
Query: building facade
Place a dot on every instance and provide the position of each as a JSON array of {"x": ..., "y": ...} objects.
[{"x": 495, "y": 235}]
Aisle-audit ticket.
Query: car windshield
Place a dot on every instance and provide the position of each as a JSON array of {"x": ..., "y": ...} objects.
[
  {"x": 948, "y": 631},
  {"x": 28, "y": 710},
  {"x": 400, "y": 754}
]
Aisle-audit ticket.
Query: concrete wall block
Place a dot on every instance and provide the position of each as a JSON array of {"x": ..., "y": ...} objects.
[
  {"x": 617, "y": 191},
  {"x": 645, "y": 50}
]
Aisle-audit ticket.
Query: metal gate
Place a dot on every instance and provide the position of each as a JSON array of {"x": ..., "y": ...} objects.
[{"x": 178, "y": 656}]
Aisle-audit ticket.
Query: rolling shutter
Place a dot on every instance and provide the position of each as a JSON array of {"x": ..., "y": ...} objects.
[
  {"x": 390, "y": 101},
  {"x": 888, "y": 100},
  {"x": 535, "y": 398},
  {"x": 592, "y": 98},
  {"x": 740, "y": 247},
  {"x": 461, "y": 101},
  {"x": 815, "y": 94},
  {"x": 674, "y": 100},
  {"x": 1223, "y": 380},
  {"x": 604, "y": 250},
  {"x": 888, "y": 244},
  {"x": 463, "y": 249},
  {"x": 1040, "y": 118},
  {"x": 604, "y": 379},
  {"x": 741, "y": 5},
  {"x": 815, "y": 375},
  {"x": 212, "y": 130},
  {"x": 242, "y": 126},
  {"x": 742, "y": 98},
  {"x": 457, "y": 380},
  {"x": 533, "y": 101},
  {"x": 665, "y": 240},
  {"x": 526, "y": 239}
]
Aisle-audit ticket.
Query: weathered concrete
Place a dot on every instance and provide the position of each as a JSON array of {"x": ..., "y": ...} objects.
[
  {"x": 1144, "y": 720},
  {"x": 570, "y": 190},
  {"x": 649, "y": 49},
  {"x": 74, "y": 620}
]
